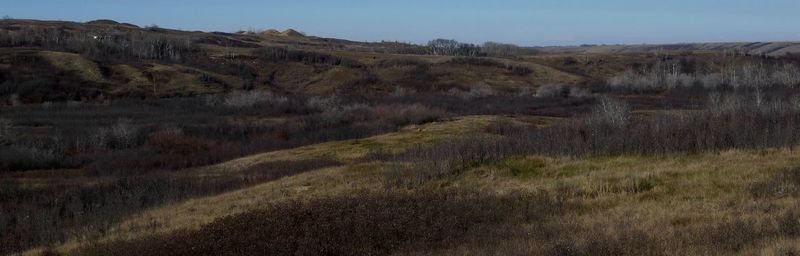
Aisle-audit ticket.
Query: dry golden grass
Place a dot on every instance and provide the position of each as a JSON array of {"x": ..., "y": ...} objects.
[{"x": 662, "y": 196}]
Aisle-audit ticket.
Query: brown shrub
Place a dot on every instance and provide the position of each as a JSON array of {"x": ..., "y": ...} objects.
[
  {"x": 43, "y": 216},
  {"x": 786, "y": 183},
  {"x": 175, "y": 142},
  {"x": 358, "y": 224}
]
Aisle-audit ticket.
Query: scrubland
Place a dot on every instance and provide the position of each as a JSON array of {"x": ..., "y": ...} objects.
[{"x": 286, "y": 144}]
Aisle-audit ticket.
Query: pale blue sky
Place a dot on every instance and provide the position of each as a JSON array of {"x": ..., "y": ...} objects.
[{"x": 543, "y": 22}]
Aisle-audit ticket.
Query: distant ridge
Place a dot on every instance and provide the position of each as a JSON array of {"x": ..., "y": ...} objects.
[
  {"x": 286, "y": 33},
  {"x": 292, "y": 33},
  {"x": 103, "y": 22},
  {"x": 108, "y": 22},
  {"x": 750, "y": 48},
  {"x": 270, "y": 32}
]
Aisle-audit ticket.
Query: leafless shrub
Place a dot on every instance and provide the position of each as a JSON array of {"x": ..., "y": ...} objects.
[
  {"x": 399, "y": 62},
  {"x": 47, "y": 104},
  {"x": 443, "y": 161},
  {"x": 332, "y": 115},
  {"x": 361, "y": 223},
  {"x": 278, "y": 54},
  {"x": 402, "y": 92},
  {"x": 118, "y": 45},
  {"x": 481, "y": 91},
  {"x": 577, "y": 92},
  {"x": 477, "y": 92},
  {"x": 397, "y": 114},
  {"x": 506, "y": 50},
  {"x": 666, "y": 75},
  {"x": 525, "y": 91},
  {"x": 323, "y": 103},
  {"x": 123, "y": 134},
  {"x": 244, "y": 99},
  {"x": 14, "y": 100},
  {"x": 783, "y": 184},
  {"x": 632, "y": 80},
  {"x": 452, "y": 47},
  {"x": 611, "y": 111},
  {"x": 710, "y": 81},
  {"x": 787, "y": 75},
  {"x": 552, "y": 91},
  {"x": 719, "y": 103},
  {"x": 6, "y": 132},
  {"x": 29, "y": 157}
]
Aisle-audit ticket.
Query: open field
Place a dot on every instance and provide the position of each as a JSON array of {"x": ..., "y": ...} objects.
[{"x": 120, "y": 140}]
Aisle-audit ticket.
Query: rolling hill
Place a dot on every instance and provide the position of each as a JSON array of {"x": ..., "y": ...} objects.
[{"x": 59, "y": 61}]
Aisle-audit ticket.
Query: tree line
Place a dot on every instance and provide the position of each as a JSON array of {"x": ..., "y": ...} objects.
[
  {"x": 491, "y": 49},
  {"x": 111, "y": 44}
]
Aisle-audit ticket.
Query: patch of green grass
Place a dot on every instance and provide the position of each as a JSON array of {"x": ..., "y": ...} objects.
[
  {"x": 87, "y": 69},
  {"x": 364, "y": 168},
  {"x": 523, "y": 167},
  {"x": 134, "y": 76},
  {"x": 573, "y": 169}
]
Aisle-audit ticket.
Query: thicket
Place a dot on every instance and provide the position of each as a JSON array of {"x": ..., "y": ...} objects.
[
  {"x": 358, "y": 224},
  {"x": 672, "y": 74},
  {"x": 113, "y": 45},
  {"x": 510, "y": 68},
  {"x": 117, "y": 137},
  {"x": 279, "y": 54},
  {"x": 61, "y": 211},
  {"x": 134, "y": 155},
  {"x": 493, "y": 49},
  {"x": 735, "y": 121},
  {"x": 434, "y": 222}
]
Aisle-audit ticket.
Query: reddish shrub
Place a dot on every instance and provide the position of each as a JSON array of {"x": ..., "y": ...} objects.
[
  {"x": 356, "y": 224},
  {"x": 171, "y": 142}
]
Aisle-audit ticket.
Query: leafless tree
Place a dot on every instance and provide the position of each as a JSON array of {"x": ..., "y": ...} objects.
[
  {"x": 453, "y": 47},
  {"x": 505, "y": 50},
  {"x": 612, "y": 111}
]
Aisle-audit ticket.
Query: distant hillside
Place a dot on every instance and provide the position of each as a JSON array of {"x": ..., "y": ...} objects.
[
  {"x": 751, "y": 48},
  {"x": 58, "y": 61}
]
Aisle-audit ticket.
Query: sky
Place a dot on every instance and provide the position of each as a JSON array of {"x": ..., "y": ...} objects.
[{"x": 528, "y": 23}]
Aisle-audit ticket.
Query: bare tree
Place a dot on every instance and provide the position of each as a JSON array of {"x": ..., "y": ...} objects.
[
  {"x": 6, "y": 134},
  {"x": 453, "y": 47},
  {"x": 505, "y": 50},
  {"x": 613, "y": 112}
]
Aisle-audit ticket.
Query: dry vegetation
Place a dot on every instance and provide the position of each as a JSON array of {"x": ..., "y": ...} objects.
[{"x": 119, "y": 140}]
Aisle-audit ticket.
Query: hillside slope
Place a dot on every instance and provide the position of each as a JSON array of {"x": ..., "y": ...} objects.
[
  {"x": 751, "y": 48},
  {"x": 61, "y": 61},
  {"x": 58, "y": 61}
]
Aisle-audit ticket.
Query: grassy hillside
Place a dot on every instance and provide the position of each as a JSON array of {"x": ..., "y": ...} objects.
[{"x": 115, "y": 60}]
